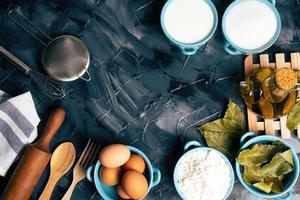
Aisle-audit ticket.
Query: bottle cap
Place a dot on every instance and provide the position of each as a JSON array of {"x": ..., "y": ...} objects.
[{"x": 286, "y": 78}]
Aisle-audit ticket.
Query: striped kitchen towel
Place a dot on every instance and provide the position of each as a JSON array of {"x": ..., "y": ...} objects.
[{"x": 18, "y": 126}]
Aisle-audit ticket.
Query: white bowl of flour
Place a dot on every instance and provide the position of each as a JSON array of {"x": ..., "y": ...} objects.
[{"x": 203, "y": 173}]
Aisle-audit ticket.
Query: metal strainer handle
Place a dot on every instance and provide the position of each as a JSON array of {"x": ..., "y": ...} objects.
[
  {"x": 28, "y": 26},
  {"x": 88, "y": 76}
]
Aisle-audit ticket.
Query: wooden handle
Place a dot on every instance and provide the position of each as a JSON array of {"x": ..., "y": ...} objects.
[
  {"x": 33, "y": 162},
  {"x": 55, "y": 120},
  {"x": 26, "y": 175},
  {"x": 47, "y": 192},
  {"x": 69, "y": 192}
]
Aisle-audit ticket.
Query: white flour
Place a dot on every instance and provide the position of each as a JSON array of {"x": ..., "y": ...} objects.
[
  {"x": 250, "y": 24},
  {"x": 203, "y": 175},
  {"x": 188, "y": 21}
]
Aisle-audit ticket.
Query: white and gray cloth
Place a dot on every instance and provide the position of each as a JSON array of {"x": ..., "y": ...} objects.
[{"x": 18, "y": 126}]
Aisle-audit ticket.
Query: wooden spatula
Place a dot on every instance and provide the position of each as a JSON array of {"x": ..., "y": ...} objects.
[{"x": 61, "y": 161}]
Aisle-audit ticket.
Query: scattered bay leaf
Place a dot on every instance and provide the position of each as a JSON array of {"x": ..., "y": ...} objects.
[
  {"x": 224, "y": 134},
  {"x": 235, "y": 113},
  {"x": 298, "y": 74},
  {"x": 263, "y": 73},
  {"x": 293, "y": 118},
  {"x": 289, "y": 103}
]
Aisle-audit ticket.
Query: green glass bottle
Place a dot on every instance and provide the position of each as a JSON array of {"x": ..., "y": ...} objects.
[
  {"x": 251, "y": 89},
  {"x": 270, "y": 93},
  {"x": 278, "y": 86}
]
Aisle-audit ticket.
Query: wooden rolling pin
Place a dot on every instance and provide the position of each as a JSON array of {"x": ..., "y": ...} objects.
[{"x": 33, "y": 162}]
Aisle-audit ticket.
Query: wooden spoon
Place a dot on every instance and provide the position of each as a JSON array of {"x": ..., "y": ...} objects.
[{"x": 61, "y": 161}]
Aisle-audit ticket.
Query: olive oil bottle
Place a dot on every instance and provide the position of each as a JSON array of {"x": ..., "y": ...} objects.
[
  {"x": 278, "y": 86},
  {"x": 251, "y": 89},
  {"x": 270, "y": 93}
]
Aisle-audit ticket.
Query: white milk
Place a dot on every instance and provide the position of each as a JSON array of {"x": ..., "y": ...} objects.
[
  {"x": 188, "y": 21},
  {"x": 250, "y": 25}
]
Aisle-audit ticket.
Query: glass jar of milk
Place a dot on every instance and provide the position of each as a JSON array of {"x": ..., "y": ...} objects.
[
  {"x": 189, "y": 24},
  {"x": 250, "y": 26}
]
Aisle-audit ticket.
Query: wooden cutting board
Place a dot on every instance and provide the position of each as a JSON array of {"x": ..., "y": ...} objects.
[{"x": 271, "y": 126}]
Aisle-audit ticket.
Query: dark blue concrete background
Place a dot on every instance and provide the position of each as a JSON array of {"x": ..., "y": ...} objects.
[{"x": 171, "y": 95}]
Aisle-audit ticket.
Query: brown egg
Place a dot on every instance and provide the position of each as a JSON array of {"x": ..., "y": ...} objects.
[
  {"x": 111, "y": 176},
  {"x": 114, "y": 155},
  {"x": 135, "y": 184},
  {"x": 136, "y": 163},
  {"x": 122, "y": 193}
]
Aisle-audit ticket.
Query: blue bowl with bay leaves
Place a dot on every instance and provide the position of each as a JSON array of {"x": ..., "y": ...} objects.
[{"x": 247, "y": 141}]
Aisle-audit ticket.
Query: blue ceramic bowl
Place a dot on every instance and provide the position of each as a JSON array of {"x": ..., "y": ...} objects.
[
  {"x": 233, "y": 49},
  {"x": 190, "y": 49},
  {"x": 247, "y": 141},
  {"x": 110, "y": 192},
  {"x": 196, "y": 146}
]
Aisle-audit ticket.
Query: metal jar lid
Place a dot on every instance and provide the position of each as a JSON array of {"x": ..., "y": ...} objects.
[{"x": 66, "y": 58}]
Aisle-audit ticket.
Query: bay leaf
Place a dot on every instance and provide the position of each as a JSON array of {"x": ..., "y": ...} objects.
[
  {"x": 234, "y": 112},
  {"x": 279, "y": 144},
  {"x": 258, "y": 154},
  {"x": 280, "y": 177},
  {"x": 252, "y": 175},
  {"x": 266, "y": 187},
  {"x": 293, "y": 118},
  {"x": 263, "y": 73},
  {"x": 221, "y": 125},
  {"x": 277, "y": 185},
  {"x": 298, "y": 74},
  {"x": 289, "y": 103},
  {"x": 280, "y": 165},
  {"x": 223, "y": 135},
  {"x": 288, "y": 156}
]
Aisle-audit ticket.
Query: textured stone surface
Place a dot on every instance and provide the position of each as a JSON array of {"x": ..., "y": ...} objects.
[{"x": 165, "y": 95}]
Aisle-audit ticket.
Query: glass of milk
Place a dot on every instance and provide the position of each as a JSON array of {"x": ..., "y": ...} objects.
[
  {"x": 250, "y": 26},
  {"x": 189, "y": 24}
]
